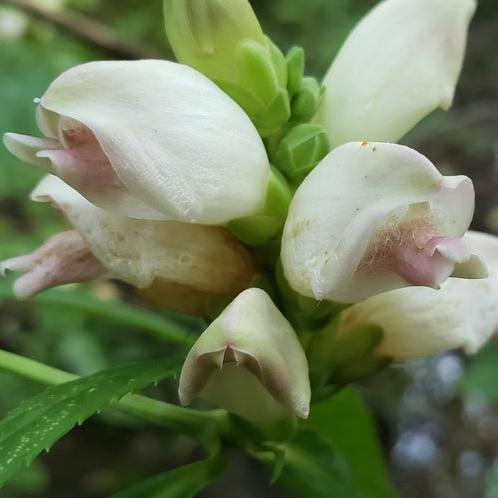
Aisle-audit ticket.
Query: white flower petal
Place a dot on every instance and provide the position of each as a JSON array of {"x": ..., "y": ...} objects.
[
  {"x": 26, "y": 148},
  {"x": 400, "y": 63},
  {"x": 420, "y": 322},
  {"x": 140, "y": 252},
  {"x": 174, "y": 140},
  {"x": 375, "y": 217},
  {"x": 62, "y": 259}
]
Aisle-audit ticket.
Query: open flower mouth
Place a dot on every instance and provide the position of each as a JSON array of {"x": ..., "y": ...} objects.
[
  {"x": 81, "y": 161},
  {"x": 411, "y": 246}
]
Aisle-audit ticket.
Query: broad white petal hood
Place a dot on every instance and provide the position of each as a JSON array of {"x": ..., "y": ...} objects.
[
  {"x": 149, "y": 139},
  {"x": 401, "y": 62},
  {"x": 373, "y": 217}
]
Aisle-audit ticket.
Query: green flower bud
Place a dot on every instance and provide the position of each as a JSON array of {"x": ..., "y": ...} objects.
[
  {"x": 223, "y": 40},
  {"x": 300, "y": 150},
  {"x": 307, "y": 99},
  {"x": 295, "y": 69}
]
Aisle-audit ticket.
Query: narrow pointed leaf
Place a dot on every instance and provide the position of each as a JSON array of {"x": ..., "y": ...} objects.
[
  {"x": 38, "y": 422},
  {"x": 313, "y": 468},
  {"x": 182, "y": 482},
  {"x": 344, "y": 421}
]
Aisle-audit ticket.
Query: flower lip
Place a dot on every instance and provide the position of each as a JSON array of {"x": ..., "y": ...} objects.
[
  {"x": 64, "y": 258},
  {"x": 78, "y": 158},
  {"x": 217, "y": 359},
  {"x": 412, "y": 248},
  {"x": 419, "y": 321}
]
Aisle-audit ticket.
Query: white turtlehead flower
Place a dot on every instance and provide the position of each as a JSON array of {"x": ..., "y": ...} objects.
[
  {"x": 400, "y": 63},
  {"x": 149, "y": 139},
  {"x": 249, "y": 361},
  {"x": 373, "y": 217},
  {"x": 140, "y": 252},
  {"x": 420, "y": 322}
]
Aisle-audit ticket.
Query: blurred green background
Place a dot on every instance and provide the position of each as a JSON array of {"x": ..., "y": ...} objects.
[{"x": 438, "y": 419}]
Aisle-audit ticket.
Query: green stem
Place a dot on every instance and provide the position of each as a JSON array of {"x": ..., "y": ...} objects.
[
  {"x": 175, "y": 417},
  {"x": 178, "y": 418},
  {"x": 33, "y": 370},
  {"x": 146, "y": 321}
]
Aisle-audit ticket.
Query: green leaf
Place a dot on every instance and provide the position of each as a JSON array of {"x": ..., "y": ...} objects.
[
  {"x": 480, "y": 377},
  {"x": 344, "y": 421},
  {"x": 314, "y": 469},
  {"x": 38, "y": 422},
  {"x": 183, "y": 482}
]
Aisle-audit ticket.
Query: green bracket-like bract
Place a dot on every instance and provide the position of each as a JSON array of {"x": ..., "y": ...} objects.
[{"x": 300, "y": 150}]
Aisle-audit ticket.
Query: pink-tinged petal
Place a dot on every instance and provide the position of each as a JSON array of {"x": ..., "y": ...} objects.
[
  {"x": 433, "y": 263},
  {"x": 419, "y": 322},
  {"x": 144, "y": 253},
  {"x": 373, "y": 217},
  {"x": 62, "y": 259},
  {"x": 81, "y": 162},
  {"x": 78, "y": 158}
]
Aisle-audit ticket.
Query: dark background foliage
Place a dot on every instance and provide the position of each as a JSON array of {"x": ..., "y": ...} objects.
[{"x": 437, "y": 419}]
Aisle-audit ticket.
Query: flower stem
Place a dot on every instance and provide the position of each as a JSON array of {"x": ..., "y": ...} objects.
[
  {"x": 177, "y": 418},
  {"x": 33, "y": 370}
]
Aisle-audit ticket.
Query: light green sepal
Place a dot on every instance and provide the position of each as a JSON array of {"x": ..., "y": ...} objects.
[
  {"x": 262, "y": 71},
  {"x": 260, "y": 228},
  {"x": 276, "y": 115},
  {"x": 279, "y": 63},
  {"x": 300, "y": 150},
  {"x": 306, "y": 100},
  {"x": 258, "y": 86},
  {"x": 339, "y": 359},
  {"x": 295, "y": 69}
]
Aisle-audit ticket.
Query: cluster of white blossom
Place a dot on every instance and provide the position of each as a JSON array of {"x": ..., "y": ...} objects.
[{"x": 166, "y": 173}]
